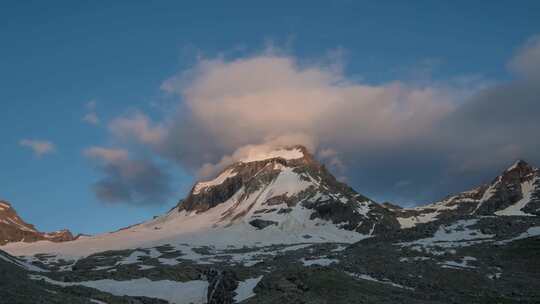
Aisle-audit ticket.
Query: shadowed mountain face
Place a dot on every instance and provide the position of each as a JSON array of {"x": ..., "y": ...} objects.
[{"x": 14, "y": 229}]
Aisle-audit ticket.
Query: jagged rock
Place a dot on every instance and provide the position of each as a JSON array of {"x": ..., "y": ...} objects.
[
  {"x": 261, "y": 224},
  {"x": 222, "y": 285}
]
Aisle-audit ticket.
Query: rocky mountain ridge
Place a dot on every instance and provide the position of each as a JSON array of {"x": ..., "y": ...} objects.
[
  {"x": 14, "y": 229},
  {"x": 515, "y": 192}
]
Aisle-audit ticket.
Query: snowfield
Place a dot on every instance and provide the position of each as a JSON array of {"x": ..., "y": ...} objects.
[{"x": 172, "y": 291}]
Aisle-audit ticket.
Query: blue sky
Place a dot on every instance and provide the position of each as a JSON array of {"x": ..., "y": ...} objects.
[{"x": 57, "y": 56}]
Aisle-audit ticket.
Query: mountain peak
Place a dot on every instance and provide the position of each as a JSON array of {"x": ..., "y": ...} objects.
[
  {"x": 286, "y": 153},
  {"x": 286, "y": 188},
  {"x": 520, "y": 166},
  {"x": 254, "y": 161},
  {"x": 256, "y": 166}
]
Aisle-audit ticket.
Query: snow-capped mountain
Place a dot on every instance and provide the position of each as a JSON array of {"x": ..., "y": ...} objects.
[
  {"x": 516, "y": 192},
  {"x": 287, "y": 189},
  {"x": 281, "y": 197},
  {"x": 15, "y": 229}
]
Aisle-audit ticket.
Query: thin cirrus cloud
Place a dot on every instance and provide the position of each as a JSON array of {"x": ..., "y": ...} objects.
[
  {"x": 91, "y": 117},
  {"x": 378, "y": 135},
  {"x": 38, "y": 147}
]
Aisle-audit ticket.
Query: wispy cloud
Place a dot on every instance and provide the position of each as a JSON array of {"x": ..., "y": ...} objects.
[
  {"x": 91, "y": 116},
  {"x": 39, "y": 147}
]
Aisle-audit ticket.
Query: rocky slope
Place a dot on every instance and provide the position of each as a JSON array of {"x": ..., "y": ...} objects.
[
  {"x": 516, "y": 192},
  {"x": 14, "y": 229}
]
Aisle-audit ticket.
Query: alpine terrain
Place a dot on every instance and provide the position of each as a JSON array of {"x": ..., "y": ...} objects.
[{"x": 279, "y": 227}]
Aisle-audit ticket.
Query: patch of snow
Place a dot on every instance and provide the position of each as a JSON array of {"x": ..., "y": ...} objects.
[
  {"x": 172, "y": 291},
  {"x": 98, "y": 268},
  {"x": 287, "y": 154},
  {"x": 363, "y": 208},
  {"x": 132, "y": 258},
  {"x": 245, "y": 289},
  {"x": 527, "y": 189},
  {"x": 494, "y": 276},
  {"x": 457, "y": 234},
  {"x": 409, "y": 259},
  {"x": 430, "y": 213},
  {"x": 343, "y": 199},
  {"x": 144, "y": 267},
  {"x": 409, "y": 222},
  {"x": 490, "y": 191},
  {"x": 170, "y": 262},
  {"x": 372, "y": 279},
  {"x": 531, "y": 232},
  {"x": 320, "y": 262},
  {"x": 464, "y": 263},
  {"x": 339, "y": 248},
  {"x": 215, "y": 182}
]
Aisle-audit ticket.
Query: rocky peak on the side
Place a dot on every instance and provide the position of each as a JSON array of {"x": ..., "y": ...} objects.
[
  {"x": 515, "y": 192},
  {"x": 270, "y": 189},
  {"x": 14, "y": 229}
]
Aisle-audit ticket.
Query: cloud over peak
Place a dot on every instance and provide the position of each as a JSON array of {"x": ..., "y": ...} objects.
[
  {"x": 426, "y": 134},
  {"x": 250, "y": 101}
]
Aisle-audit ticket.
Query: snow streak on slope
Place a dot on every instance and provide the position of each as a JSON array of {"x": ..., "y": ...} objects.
[
  {"x": 216, "y": 181},
  {"x": 527, "y": 189}
]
